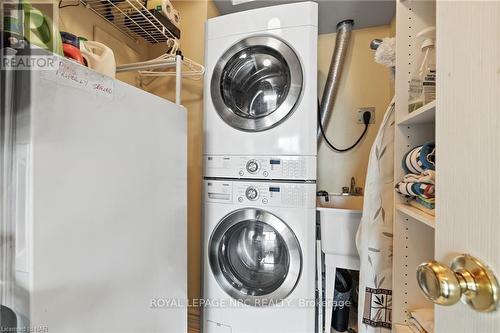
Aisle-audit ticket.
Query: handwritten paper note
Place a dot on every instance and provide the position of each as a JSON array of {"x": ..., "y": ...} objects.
[{"x": 74, "y": 75}]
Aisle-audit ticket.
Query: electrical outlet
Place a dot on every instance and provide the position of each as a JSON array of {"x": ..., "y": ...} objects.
[{"x": 362, "y": 110}]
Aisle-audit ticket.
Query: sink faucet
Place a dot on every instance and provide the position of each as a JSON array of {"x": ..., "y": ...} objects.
[{"x": 323, "y": 193}]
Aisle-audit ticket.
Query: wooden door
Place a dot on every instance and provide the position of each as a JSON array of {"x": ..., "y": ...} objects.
[{"x": 468, "y": 138}]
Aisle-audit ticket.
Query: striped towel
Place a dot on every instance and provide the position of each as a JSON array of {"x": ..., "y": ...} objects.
[
  {"x": 420, "y": 158},
  {"x": 424, "y": 205},
  {"x": 419, "y": 190},
  {"x": 428, "y": 177}
]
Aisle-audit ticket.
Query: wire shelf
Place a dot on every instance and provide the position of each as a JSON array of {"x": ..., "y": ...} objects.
[{"x": 134, "y": 19}]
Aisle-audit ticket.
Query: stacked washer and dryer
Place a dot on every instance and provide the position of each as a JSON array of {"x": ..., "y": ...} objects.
[{"x": 260, "y": 170}]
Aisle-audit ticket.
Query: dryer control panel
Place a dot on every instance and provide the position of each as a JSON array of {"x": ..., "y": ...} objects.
[
  {"x": 261, "y": 167},
  {"x": 250, "y": 193}
]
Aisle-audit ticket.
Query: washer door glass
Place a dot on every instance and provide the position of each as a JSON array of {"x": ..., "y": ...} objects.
[
  {"x": 257, "y": 83},
  {"x": 251, "y": 260}
]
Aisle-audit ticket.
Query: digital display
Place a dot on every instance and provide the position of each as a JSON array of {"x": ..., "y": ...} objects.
[
  {"x": 274, "y": 189},
  {"x": 275, "y": 161}
]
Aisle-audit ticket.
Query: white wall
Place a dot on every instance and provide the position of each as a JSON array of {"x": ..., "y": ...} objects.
[{"x": 364, "y": 83}]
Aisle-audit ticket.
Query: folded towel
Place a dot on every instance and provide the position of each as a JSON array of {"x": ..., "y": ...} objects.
[
  {"x": 422, "y": 190},
  {"x": 420, "y": 158},
  {"x": 426, "y": 208},
  {"x": 427, "y": 177},
  {"x": 429, "y": 203}
]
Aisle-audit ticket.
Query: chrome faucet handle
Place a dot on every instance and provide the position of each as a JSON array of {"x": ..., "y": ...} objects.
[{"x": 323, "y": 193}]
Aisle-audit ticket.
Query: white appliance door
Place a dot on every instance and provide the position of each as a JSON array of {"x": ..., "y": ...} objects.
[
  {"x": 100, "y": 206},
  {"x": 255, "y": 257},
  {"x": 468, "y": 135},
  {"x": 256, "y": 83}
]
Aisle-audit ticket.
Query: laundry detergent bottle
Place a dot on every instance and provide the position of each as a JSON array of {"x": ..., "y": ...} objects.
[
  {"x": 99, "y": 57},
  {"x": 422, "y": 88}
]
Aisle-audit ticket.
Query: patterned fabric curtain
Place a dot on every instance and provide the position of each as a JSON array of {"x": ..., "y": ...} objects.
[{"x": 374, "y": 236}]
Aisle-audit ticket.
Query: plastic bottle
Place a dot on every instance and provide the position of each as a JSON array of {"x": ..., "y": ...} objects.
[
  {"x": 422, "y": 88},
  {"x": 99, "y": 57},
  {"x": 71, "y": 47}
]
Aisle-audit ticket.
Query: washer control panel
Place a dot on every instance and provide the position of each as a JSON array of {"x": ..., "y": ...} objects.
[
  {"x": 251, "y": 193},
  {"x": 261, "y": 167},
  {"x": 253, "y": 166}
]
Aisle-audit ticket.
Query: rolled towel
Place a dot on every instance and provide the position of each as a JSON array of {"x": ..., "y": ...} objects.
[
  {"x": 420, "y": 158},
  {"x": 411, "y": 189}
]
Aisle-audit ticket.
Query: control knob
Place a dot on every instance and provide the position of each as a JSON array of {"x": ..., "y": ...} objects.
[
  {"x": 252, "y": 193},
  {"x": 252, "y": 166}
]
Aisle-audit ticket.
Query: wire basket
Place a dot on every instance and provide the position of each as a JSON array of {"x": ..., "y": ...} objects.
[{"x": 134, "y": 19}]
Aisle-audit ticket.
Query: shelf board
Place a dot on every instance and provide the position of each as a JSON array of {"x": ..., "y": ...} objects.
[
  {"x": 417, "y": 214},
  {"x": 423, "y": 115}
]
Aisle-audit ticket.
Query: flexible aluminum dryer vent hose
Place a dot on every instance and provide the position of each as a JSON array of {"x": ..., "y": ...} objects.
[{"x": 332, "y": 81}]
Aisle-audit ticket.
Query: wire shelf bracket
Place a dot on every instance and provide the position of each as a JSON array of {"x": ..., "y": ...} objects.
[{"x": 157, "y": 68}]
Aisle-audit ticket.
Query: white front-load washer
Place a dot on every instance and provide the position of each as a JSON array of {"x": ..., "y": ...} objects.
[
  {"x": 259, "y": 256},
  {"x": 260, "y": 96}
]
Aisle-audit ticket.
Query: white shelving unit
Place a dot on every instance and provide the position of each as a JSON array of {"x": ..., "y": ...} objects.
[
  {"x": 416, "y": 214},
  {"x": 424, "y": 115},
  {"x": 413, "y": 229},
  {"x": 402, "y": 329}
]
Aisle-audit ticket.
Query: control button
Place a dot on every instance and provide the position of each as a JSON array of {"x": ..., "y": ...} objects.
[
  {"x": 253, "y": 166},
  {"x": 265, "y": 173},
  {"x": 264, "y": 201},
  {"x": 241, "y": 173},
  {"x": 252, "y": 193},
  {"x": 240, "y": 199}
]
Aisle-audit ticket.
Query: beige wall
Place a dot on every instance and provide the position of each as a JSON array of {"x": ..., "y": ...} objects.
[
  {"x": 364, "y": 83},
  {"x": 194, "y": 14}
]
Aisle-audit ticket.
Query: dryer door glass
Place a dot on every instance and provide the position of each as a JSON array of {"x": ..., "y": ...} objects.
[
  {"x": 253, "y": 261},
  {"x": 257, "y": 83}
]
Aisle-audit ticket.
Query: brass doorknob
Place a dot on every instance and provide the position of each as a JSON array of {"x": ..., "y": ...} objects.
[{"x": 467, "y": 279}]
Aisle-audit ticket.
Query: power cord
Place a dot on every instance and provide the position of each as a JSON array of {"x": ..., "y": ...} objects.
[{"x": 366, "y": 120}]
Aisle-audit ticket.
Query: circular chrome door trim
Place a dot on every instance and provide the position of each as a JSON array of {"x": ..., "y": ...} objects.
[
  {"x": 287, "y": 106},
  {"x": 292, "y": 245}
]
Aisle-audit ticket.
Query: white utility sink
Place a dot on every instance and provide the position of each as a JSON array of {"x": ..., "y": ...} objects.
[{"x": 339, "y": 219}]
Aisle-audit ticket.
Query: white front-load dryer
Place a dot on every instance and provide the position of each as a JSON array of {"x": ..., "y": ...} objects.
[
  {"x": 259, "y": 250},
  {"x": 260, "y": 96}
]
